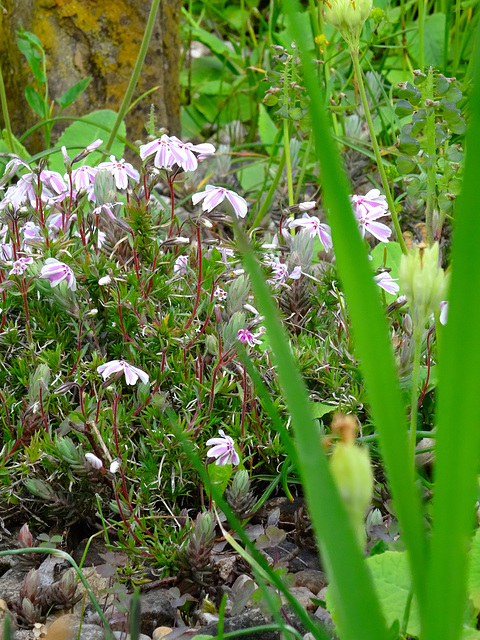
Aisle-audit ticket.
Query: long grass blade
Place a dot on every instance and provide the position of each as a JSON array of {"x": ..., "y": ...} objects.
[
  {"x": 368, "y": 326},
  {"x": 359, "y": 611},
  {"x": 458, "y": 437}
]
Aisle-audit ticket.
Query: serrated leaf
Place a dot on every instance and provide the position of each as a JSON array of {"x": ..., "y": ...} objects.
[{"x": 73, "y": 93}]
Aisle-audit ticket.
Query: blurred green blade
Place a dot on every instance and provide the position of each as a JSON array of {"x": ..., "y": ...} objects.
[
  {"x": 458, "y": 437},
  {"x": 368, "y": 325},
  {"x": 359, "y": 610}
]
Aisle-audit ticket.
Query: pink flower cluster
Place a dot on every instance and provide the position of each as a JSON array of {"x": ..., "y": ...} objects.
[{"x": 169, "y": 153}]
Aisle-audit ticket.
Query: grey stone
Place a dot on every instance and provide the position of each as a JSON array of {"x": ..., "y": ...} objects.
[
  {"x": 310, "y": 578},
  {"x": 157, "y": 611}
]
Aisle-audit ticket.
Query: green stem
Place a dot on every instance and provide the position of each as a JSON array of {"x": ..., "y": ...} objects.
[
  {"x": 421, "y": 28},
  {"x": 303, "y": 171},
  {"x": 288, "y": 160},
  {"x": 430, "y": 148},
  {"x": 456, "y": 37},
  {"x": 127, "y": 98},
  {"x": 6, "y": 116},
  {"x": 381, "y": 169},
  {"x": 268, "y": 200},
  {"x": 414, "y": 395}
]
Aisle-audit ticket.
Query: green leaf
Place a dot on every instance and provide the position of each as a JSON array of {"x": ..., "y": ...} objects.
[
  {"x": 403, "y": 108},
  {"x": 433, "y": 35},
  {"x": 220, "y": 475},
  {"x": 319, "y": 409},
  {"x": 80, "y": 134},
  {"x": 392, "y": 580},
  {"x": 266, "y": 127},
  {"x": 36, "y": 101},
  {"x": 387, "y": 255},
  {"x": 474, "y": 572},
  {"x": 73, "y": 93}
]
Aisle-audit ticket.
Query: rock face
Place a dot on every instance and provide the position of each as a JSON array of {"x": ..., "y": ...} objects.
[{"x": 100, "y": 39}]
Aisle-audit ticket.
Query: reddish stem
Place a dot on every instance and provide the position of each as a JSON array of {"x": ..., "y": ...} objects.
[{"x": 199, "y": 281}]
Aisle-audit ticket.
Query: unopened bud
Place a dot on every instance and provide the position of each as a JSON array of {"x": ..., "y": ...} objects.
[
  {"x": 348, "y": 17},
  {"x": 352, "y": 472},
  {"x": 424, "y": 283}
]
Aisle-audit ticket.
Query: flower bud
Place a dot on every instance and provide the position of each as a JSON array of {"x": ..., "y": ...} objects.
[
  {"x": 25, "y": 537},
  {"x": 424, "y": 283},
  {"x": 348, "y": 16},
  {"x": 352, "y": 472}
]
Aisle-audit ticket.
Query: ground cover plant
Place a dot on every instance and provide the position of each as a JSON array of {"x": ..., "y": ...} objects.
[{"x": 258, "y": 306}]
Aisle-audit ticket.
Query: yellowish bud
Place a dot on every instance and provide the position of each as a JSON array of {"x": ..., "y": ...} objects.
[{"x": 352, "y": 472}]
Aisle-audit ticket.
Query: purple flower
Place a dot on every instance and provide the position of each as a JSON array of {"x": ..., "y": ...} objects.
[
  {"x": 223, "y": 449},
  {"x": 367, "y": 209},
  {"x": 57, "y": 272},
  {"x": 247, "y": 337},
  {"x": 315, "y": 228},
  {"x": 132, "y": 374},
  {"x": 386, "y": 282},
  {"x": 20, "y": 265},
  {"x": 213, "y": 196},
  {"x": 121, "y": 171}
]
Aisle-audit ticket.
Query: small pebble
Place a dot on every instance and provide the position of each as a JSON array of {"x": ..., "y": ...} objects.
[{"x": 161, "y": 632}]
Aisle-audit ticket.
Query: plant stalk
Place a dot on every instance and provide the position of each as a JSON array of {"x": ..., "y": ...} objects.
[
  {"x": 127, "y": 98},
  {"x": 414, "y": 395},
  {"x": 376, "y": 149},
  {"x": 6, "y": 115}
]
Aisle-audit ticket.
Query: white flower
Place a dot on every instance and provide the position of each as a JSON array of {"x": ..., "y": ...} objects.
[
  {"x": 367, "y": 209},
  {"x": 132, "y": 374}
]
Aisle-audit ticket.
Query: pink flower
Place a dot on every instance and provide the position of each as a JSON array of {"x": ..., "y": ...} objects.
[
  {"x": 6, "y": 251},
  {"x": 223, "y": 449},
  {"x": 167, "y": 153},
  {"x": 386, "y": 282},
  {"x": 180, "y": 266},
  {"x": 83, "y": 177},
  {"x": 121, "y": 171},
  {"x": 95, "y": 462},
  {"x": 247, "y": 337},
  {"x": 367, "y": 209},
  {"x": 315, "y": 228},
  {"x": 20, "y": 265},
  {"x": 213, "y": 196},
  {"x": 280, "y": 273},
  {"x": 132, "y": 374},
  {"x": 56, "y": 272}
]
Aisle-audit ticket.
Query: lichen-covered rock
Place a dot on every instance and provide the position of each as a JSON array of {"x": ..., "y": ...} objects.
[{"x": 100, "y": 39}]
